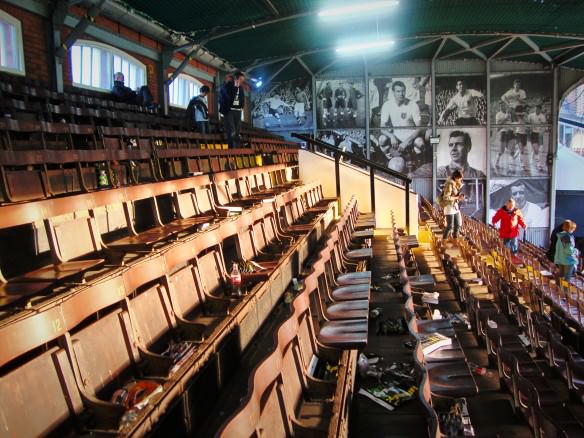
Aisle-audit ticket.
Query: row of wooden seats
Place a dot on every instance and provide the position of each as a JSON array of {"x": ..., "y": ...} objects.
[
  {"x": 78, "y": 350},
  {"x": 26, "y": 100},
  {"x": 491, "y": 310},
  {"x": 102, "y": 230},
  {"x": 328, "y": 323},
  {"x": 50, "y": 159}
]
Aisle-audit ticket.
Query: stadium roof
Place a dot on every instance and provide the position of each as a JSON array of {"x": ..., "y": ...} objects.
[{"x": 276, "y": 35}]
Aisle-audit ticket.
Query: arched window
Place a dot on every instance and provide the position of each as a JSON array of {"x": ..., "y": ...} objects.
[
  {"x": 93, "y": 66},
  {"x": 183, "y": 89},
  {"x": 11, "y": 49}
]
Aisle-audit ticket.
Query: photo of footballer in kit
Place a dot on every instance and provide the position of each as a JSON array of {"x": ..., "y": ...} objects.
[
  {"x": 340, "y": 103},
  {"x": 283, "y": 106},
  {"x": 461, "y": 100},
  {"x": 400, "y": 102}
]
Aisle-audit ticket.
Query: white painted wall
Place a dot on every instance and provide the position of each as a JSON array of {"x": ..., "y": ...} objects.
[{"x": 354, "y": 181}]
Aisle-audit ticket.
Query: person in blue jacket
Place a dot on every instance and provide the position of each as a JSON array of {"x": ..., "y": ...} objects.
[{"x": 567, "y": 255}]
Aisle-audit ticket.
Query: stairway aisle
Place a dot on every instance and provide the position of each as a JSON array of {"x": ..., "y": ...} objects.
[{"x": 367, "y": 418}]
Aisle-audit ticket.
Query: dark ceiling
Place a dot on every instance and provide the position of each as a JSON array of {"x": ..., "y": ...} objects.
[{"x": 276, "y": 35}]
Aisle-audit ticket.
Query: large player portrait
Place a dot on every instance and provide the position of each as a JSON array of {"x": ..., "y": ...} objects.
[
  {"x": 521, "y": 93},
  {"x": 461, "y": 100},
  {"x": 400, "y": 102},
  {"x": 340, "y": 103},
  {"x": 462, "y": 149},
  {"x": 283, "y": 106},
  {"x": 530, "y": 195},
  {"x": 404, "y": 150}
]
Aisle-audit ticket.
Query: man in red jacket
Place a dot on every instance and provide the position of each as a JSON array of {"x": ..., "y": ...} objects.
[{"x": 511, "y": 219}]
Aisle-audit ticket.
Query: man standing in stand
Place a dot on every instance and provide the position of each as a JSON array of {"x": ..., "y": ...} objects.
[{"x": 231, "y": 104}]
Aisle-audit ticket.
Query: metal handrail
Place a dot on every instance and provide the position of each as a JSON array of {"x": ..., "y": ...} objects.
[{"x": 337, "y": 153}]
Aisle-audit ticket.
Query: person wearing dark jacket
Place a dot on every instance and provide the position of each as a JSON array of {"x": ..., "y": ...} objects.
[
  {"x": 198, "y": 112},
  {"x": 231, "y": 104},
  {"x": 125, "y": 94},
  {"x": 511, "y": 219}
]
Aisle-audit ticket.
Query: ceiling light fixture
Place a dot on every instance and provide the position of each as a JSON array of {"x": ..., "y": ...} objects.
[
  {"x": 368, "y": 46},
  {"x": 358, "y": 8}
]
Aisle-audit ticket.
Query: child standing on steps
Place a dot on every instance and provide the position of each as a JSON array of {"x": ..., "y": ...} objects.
[{"x": 511, "y": 219}]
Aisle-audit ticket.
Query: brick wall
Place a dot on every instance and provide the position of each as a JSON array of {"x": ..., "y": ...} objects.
[{"x": 36, "y": 38}]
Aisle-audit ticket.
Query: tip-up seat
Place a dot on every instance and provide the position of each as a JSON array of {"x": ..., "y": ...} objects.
[
  {"x": 344, "y": 335},
  {"x": 351, "y": 292},
  {"x": 357, "y": 309},
  {"x": 352, "y": 278},
  {"x": 359, "y": 254}
]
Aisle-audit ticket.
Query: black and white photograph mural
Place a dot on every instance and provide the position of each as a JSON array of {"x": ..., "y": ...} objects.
[
  {"x": 400, "y": 102},
  {"x": 462, "y": 149},
  {"x": 348, "y": 140},
  {"x": 283, "y": 106},
  {"x": 340, "y": 103},
  {"x": 531, "y": 196},
  {"x": 521, "y": 93},
  {"x": 473, "y": 204},
  {"x": 461, "y": 100},
  {"x": 403, "y": 150},
  {"x": 520, "y": 150}
]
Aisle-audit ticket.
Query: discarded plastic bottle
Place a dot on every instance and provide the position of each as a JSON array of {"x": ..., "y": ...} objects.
[
  {"x": 481, "y": 371},
  {"x": 235, "y": 280}
]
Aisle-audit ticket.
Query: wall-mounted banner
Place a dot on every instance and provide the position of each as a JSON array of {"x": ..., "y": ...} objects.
[
  {"x": 462, "y": 149},
  {"x": 461, "y": 100},
  {"x": 520, "y": 93},
  {"x": 283, "y": 106},
  {"x": 340, "y": 103},
  {"x": 348, "y": 140},
  {"x": 403, "y": 150},
  {"x": 520, "y": 150},
  {"x": 531, "y": 196},
  {"x": 400, "y": 102}
]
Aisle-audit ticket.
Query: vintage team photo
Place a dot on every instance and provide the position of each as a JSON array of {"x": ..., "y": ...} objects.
[
  {"x": 404, "y": 150},
  {"x": 283, "y": 106},
  {"x": 520, "y": 93},
  {"x": 400, "y": 102},
  {"x": 531, "y": 195},
  {"x": 340, "y": 103},
  {"x": 461, "y": 100},
  {"x": 462, "y": 149},
  {"x": 520, "y": 150}
]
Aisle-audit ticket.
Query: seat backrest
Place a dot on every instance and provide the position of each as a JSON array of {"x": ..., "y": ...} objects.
[
  {"x": 183, "y": 291},
  {"x": 73, "y": 238},
  {"x": 211, "y": 272},
  {"x": 185, "y": 204},
  {"x": 204, "y": 202},
  {"x": 103, "y": 354},
  {"x": 246, "y": 248},
  {"x": 24, "y": 412},
  {"x": 152, "y": 318},
  {"x": 292, "y": 368}
]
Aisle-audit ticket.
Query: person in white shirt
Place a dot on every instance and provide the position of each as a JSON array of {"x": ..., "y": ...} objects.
[
  {"x": 399, "y": 112},
  {"x": 515, "y": 96},
  {"x": 506, "y": 135},
  {"x": 536, "y": 120},
  {"x": 464, "y": 102}
]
